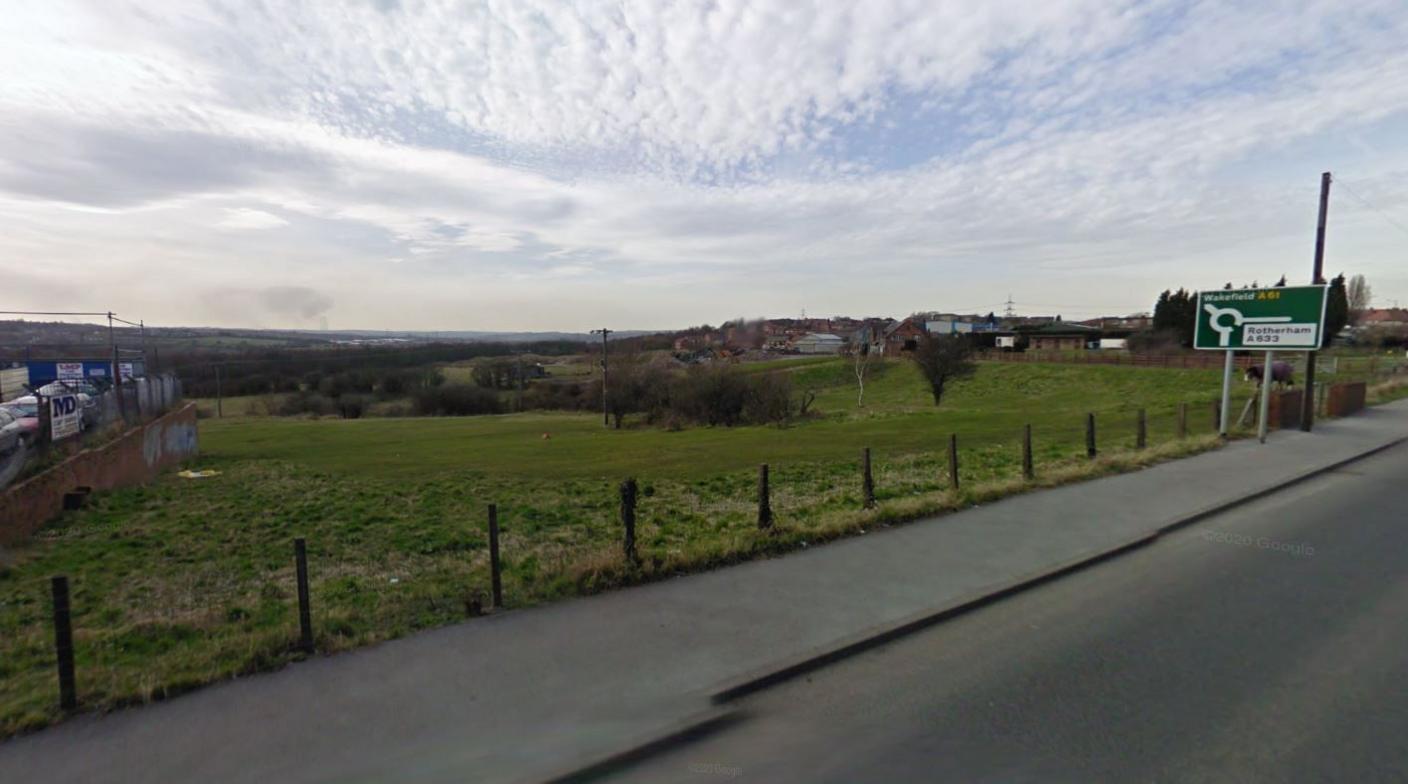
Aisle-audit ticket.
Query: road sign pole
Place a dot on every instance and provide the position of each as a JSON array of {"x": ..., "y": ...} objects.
[
  {"x": 1265, "y": 397},
  {"x": 1225, "y": 412},
  {"x": 1317, "y": 275}
]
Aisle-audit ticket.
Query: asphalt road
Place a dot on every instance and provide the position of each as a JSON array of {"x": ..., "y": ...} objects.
[{"x": 1269, "y": 643}]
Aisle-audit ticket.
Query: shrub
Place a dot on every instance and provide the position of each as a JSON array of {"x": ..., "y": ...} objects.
[
  {"x": 456, "y": 400},
  {"x": 307, "y": 403}
]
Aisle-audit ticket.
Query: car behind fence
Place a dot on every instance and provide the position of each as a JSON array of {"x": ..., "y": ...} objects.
[{"x": 60, "y": 418}]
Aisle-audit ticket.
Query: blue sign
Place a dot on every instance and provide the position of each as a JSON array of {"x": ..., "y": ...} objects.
[{"x": 43, "y": 372}]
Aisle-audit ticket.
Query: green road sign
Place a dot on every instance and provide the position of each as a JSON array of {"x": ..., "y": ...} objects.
[{"x": 1279, "y": 319}]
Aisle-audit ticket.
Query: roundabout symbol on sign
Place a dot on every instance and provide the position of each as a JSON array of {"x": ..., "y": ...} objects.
[{"x": 1224, "y": 331}]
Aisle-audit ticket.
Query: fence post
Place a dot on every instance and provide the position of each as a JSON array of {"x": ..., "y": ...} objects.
[
  {"x": 1141, "y": 433},
  {"x": 1090, "y": 436},
  {"x": 305, "y": 615},
  {"x": 1028, "y": 470},
  {"x": 496, "y": 584},
  {"x": 63, "y": 643},
  {"x": 764, "y": 507},
  {"x": 867, "y": 481},
  {"x": 953, "y": 461},
  {"x": 1182, "y": 421},
  {"x": 628, "y": 518}
]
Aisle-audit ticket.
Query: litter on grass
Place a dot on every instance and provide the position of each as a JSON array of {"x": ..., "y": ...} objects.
[{"x": 189, "y": 474}]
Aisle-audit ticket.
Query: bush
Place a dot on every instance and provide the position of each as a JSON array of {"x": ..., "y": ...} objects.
[
  {"x": 456, "y": 400},
  {"x": 724, "y": 395},
  {"x": 307, "y": 403},
  {"x": 548, "y": 395},
  {"x": 352, "y": 406}
]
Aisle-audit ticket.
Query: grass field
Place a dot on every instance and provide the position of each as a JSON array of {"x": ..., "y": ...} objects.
[{"x": 188, "y": 581}]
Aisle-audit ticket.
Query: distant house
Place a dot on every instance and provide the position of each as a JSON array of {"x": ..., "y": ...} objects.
[
  {"x": 948, "y": 327},
  {"x": 1384, "y": 317},
  {"x": 1133, "y": 323},
  {"x": 819, "y": 343},
  {"x": 902, "y": 336},
  {"x": 1061, "y": 336}
]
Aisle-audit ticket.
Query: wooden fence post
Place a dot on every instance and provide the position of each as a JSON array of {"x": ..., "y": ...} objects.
[
  {"x": 953, "y": 461},
  {"x": 764, "y": 507},
  {"x": 1090, "y": 436},
  {"x": 1182, "y": 421},
  {"x": 867, "y": 481},
  {"x": 1028, "y": 470},
  {"x": 496, "y": 584},
  {"x": 305, "y": 615},
  {"x": 63, "y": 643},
  {"x": 628, "y": 518},
  {"x": 1141, "y": 432}
]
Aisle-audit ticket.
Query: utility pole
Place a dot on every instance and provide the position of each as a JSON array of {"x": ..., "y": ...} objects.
[
  {"x": 116, "y": 376},
  {"x": 1317, "y": 276},
  {"x": 605, "y": 413}
]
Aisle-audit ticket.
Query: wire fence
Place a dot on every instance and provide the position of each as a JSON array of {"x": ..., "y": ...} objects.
[
  {"x": 308, "y": 570},
  {"x": 56, "y": 420}
]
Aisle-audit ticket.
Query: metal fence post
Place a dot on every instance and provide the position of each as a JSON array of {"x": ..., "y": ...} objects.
[
  {"x": 628, "y": 518},
  {"x": 1141, "y": 434},
  {"x": 953, "y": 461},
  {"x": 1028, "y": 470},
  {"x": 1090, "y": 436},
  {"x": 867, "y": 481},
  {"x": 305, "y": 615},
  {"x": 63, "y": 643},
  {"x": 764, "y": 507},
  {"x": 496, "y": 585}
]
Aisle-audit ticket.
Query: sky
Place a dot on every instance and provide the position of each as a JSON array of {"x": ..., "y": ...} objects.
[{"x": 534, "y": 165}]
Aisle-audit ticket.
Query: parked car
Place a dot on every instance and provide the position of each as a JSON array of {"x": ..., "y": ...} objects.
[
  {"x": 65, "y": 387},
  {"x": 9, "y": 431},
  {"x": 87, "y": 397},
  {"x": 25, "y": 411}
]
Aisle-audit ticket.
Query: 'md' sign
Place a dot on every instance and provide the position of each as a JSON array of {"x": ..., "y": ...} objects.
[
  {"x": 65, "y": 416},
  {"x": 1285, "y": 318}
]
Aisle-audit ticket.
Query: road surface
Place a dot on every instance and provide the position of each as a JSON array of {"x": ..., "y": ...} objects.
[{"x": 1269, "y": 643}]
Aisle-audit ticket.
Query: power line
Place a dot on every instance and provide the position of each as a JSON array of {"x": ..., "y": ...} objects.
[{"x": 1372, "y": 206}]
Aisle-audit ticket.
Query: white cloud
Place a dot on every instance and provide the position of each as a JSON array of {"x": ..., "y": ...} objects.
[
  {"x": 245, "y": 218},
  {"x": 537, "y": 164}
]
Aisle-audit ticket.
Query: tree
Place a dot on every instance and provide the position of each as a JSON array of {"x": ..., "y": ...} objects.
[
  {"x": 943, "y": 358},
  {"x": 1175, "y": 313},
  {"x": 861, "y": 354},
  {"x": 1336, "y": 310},
  {"x": 1359, "y": 296},
  {"x": 1280, "y": 284}
]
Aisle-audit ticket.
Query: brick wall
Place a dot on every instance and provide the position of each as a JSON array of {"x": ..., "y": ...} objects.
[
  {"x": 1346, "y": 399},
  {"x": 1284, "y": 409},
  {"x": 134, "y": 458}
]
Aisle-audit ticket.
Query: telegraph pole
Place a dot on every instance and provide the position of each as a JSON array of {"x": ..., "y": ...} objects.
[
  {"x": 1317, "y": 276},
  {"x": 605, "y": 413}
]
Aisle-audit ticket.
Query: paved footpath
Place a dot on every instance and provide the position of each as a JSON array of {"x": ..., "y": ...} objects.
[{"x": 529, "y": 693}]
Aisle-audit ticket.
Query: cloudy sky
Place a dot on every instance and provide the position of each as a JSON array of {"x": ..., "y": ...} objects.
[{"x": 528, "y": 164}]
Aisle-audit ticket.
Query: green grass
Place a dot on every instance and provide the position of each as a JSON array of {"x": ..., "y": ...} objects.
[{"x": 184, "y": 582}]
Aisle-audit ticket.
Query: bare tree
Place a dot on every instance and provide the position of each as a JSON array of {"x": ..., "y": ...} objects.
[
  {"x": 943, "y": 358},
  {"x": 862, "y": 354},
  {"x": 1360, "y": 295}
]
